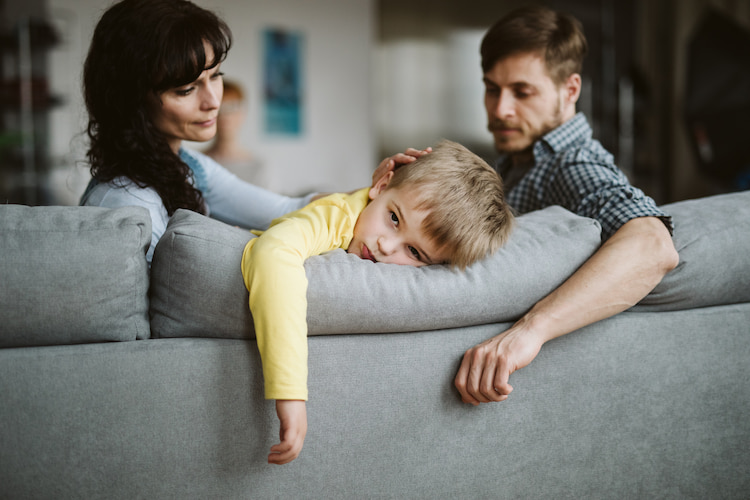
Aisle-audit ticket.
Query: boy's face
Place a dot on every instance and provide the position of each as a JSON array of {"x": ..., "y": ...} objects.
[{"x": 390, "y": 230}]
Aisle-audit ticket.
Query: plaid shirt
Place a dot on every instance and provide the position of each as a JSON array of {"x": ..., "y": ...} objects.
[{"x": 575, "y": 171}]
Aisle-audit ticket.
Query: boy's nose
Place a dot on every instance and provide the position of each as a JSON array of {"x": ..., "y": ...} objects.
[{"x": 386, "y": 245}]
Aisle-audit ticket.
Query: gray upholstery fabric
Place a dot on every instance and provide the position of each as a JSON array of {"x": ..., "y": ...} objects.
[
  {"x": 643, "y": 405},
  {"x": 73, "y": 275},
  {"x": 712, "y": 236},
  {"x": 197, "y": 287}
]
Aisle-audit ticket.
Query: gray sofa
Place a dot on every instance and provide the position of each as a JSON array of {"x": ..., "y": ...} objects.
[{"x": 120, "y": 383}]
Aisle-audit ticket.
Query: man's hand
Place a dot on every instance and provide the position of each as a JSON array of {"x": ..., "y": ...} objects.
[
  {"x": 395, "y": 161},
  {"x": 623, "y": 271},
  {"x": 292, "y": 430},
  {"x": 485, "y": 369}
]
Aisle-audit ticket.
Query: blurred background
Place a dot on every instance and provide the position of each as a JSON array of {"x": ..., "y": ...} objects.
[{"x": 666, "y": 88}]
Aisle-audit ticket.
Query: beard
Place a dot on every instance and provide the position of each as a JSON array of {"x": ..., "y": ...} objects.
[{"x": 524, "y": 136}]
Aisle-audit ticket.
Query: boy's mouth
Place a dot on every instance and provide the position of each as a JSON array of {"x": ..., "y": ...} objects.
[{"x": 366, "y": 254}]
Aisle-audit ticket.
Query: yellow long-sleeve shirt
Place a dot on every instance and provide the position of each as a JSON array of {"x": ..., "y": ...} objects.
[{"x": 274, "y": 274}]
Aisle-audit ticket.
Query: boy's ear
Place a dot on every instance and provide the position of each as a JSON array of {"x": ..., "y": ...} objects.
[{"x": 379, "y": 185}]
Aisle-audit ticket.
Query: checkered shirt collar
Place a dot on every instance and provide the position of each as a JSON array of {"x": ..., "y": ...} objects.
[{"x": 573, "y": 132}]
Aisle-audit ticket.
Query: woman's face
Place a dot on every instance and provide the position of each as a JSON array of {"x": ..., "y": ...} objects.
[{"x": 189, "y": 113}]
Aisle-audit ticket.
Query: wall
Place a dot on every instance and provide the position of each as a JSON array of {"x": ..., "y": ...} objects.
[
  {"x": 666, "y": 28},
  {"x": 336, "y": 150}
]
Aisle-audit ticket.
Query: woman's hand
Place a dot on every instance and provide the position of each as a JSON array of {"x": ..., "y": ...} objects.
[
  {"x": 395, "y": 161},
  {"x": 292, "y": 430}
]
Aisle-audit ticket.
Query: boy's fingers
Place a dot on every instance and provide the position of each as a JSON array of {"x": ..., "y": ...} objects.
[
  {"x": 280, "y": 458},
  {"x": 284, "y": 453}
]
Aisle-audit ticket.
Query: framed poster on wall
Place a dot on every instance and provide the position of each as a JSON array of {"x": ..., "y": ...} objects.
[{"x": 283, "y": 96}]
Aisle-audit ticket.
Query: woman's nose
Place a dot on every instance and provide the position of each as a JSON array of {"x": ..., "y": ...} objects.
[{"x": 211, "y": 98}]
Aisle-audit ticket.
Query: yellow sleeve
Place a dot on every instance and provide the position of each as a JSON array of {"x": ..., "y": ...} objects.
[{"x": 274, "y": 274}]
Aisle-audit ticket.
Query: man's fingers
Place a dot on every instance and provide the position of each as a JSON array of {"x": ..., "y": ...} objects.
[
  {"x": 500, "y": 381},
  {"x": 461, "y": 380},
  {"x": 483, "y": 375},
  {"x": 478, "y": 367}
]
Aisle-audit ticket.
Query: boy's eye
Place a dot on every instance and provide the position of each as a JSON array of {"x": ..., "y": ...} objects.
[
  {"x": 415, "y": 253},
  {"x": 394, "y": 218}
]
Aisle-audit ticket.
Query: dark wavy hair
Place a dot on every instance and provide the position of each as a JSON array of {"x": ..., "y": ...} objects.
[{"x": 141, "y": 48}]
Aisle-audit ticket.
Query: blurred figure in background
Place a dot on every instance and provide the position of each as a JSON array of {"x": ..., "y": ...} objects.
[{"x": 227, "y": 148}]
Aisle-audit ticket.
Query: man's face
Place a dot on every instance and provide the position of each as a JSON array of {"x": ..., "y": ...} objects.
[{"x": 523, "y": 103}]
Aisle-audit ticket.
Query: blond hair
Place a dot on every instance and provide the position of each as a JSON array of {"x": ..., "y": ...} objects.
[{"x": 468, "y": 215}]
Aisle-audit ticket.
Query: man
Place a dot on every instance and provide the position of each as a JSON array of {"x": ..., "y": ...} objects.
[{"x": 532, "y": 61}]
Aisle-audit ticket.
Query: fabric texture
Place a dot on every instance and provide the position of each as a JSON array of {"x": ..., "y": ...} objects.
[
  {"x": 641, "y": 405},
  {"x": 227, "y": 198},
  {"x": 72, "y": 275},
  {"x": 712, "y": 236},
  {"x": 573, "y": 170},
  {"x": 273, "y": 268},
  {"x": 200, "y": 257}
]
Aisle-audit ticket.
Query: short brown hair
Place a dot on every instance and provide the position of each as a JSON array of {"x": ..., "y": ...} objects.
[
  {"x": 557, "y": 36},
  {"x": 233, "y": 89},
  {"x": 468, "y": 215}
]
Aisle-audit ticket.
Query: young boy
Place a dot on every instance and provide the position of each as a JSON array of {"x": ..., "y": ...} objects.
[{"x": 446, "y": 207}]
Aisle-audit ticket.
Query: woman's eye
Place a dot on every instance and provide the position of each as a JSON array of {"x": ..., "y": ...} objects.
[
  {"x": 183, "y": 92},
  {"x": 394, "y": 218},
  {"x": 218, "y": 74}
]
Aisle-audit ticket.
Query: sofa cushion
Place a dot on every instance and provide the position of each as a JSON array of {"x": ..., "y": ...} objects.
[
  {"x": 73, "y": 275},
  {"x": 197, "y": 288},
  {"x": 712, "y": 236}
]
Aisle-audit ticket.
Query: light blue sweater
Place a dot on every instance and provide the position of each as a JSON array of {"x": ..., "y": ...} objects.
[{"x": 228, "y": 198}]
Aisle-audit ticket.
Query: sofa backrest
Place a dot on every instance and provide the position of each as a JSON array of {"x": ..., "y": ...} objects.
[{"x": 72, "y": 275}]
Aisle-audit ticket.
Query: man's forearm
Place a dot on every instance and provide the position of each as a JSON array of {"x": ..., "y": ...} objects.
[{"x": 623, "y": 271}]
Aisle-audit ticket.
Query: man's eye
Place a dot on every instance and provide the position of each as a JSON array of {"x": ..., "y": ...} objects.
[
  {"x": 394, "y": 218},
  {"x": 415, "y": 253}
]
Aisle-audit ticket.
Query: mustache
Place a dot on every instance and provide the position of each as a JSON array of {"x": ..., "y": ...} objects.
[{"x": 495, "y": 125}]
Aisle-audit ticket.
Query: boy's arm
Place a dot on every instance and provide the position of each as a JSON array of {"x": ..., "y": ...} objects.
[
  {"x": 273, "y": 270},
  {"x": 274, "y": 274}
]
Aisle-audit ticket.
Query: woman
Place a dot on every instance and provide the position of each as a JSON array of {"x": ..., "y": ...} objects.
[{"x": 151, "y": 80}]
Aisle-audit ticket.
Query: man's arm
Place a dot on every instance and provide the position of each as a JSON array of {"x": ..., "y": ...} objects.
[{"x": 623, "y": 271}]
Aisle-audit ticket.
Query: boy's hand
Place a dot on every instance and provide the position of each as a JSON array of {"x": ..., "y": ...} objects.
[
  {"x": 395, "y": 161},
  {"x": 292, "y": 430}
]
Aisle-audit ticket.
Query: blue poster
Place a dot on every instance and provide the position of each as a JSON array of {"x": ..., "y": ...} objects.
[{"x": 282, "y": 82}]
